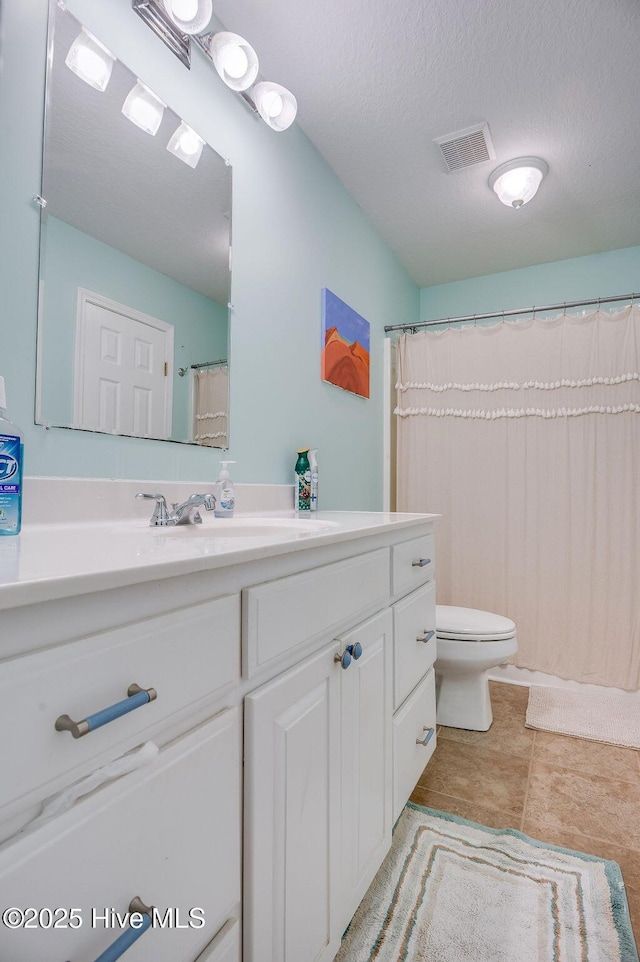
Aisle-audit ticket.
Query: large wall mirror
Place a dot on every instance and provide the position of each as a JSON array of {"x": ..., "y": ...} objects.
[{"x": 133, "y": 332}]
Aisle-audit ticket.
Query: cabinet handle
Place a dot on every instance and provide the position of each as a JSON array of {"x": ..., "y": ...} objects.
[
  {"x": 427, "y": 738},
  {"x": 137, "y": 697},
  {"x": 428, "y": 635},
  {"x": 349, "y": 653},
  {"x": 421, "y": 563},
  {"x": 117, "y": 949}
]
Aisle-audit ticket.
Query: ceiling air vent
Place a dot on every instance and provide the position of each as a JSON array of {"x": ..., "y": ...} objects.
[{"x": 466, "y": 147}]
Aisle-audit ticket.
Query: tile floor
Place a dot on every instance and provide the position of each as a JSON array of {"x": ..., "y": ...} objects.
[{"x": 569, "y": 792}]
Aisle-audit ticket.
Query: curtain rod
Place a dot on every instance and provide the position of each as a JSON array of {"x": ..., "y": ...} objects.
[
  {"x": 194, "y": 367},
  {"x": 525, "y": 310}
]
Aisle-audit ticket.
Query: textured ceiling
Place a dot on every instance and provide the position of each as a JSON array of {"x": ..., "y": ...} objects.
[
  {"x": 108, "y": 178},
  {"x": 377, "y": 81}
]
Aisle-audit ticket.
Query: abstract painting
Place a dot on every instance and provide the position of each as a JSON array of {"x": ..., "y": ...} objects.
[{"x": 345, "y": 346}]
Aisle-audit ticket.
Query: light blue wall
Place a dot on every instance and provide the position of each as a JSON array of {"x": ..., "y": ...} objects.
[
  {"x": 73, "y": 259},
  {"x": 295, "y": 231},
  {"x": 575, "y": 279}
]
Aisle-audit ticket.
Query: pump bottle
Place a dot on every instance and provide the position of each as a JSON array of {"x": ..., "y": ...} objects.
[{"x": 225, "y": 494}]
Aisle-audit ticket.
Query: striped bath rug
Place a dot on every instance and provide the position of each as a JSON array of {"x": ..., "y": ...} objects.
[
  {"x": 596, "y": 716},
  {"x": 453, "y": 891}
]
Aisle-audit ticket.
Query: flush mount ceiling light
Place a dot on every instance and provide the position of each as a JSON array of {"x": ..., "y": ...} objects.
[
  {"x": 190, "y": 16},
  {"x": 517, "y": 181},
  {"x": 234, "y": 59},
  {"x": 143, "y": 108},
  {"x": 186, "y": 145},
  {"x": 276, "y": 105},
  {"x": 90, "y": 60}
]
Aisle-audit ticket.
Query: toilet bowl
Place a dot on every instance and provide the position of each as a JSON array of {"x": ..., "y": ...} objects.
[{"x": 469, "y": 642}]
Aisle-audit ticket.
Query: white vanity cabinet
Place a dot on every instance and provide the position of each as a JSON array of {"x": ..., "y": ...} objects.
[
  {"x": 414, "y": 653},
  {"x": 317, "y": 795},
  {"x": 295, "y": 694}
]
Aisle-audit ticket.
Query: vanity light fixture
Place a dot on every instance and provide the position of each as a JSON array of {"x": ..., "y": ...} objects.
[
  {"x": 90, "y": 60},
  {"x": 235, "y": 60},
  {"x": 186, "y": 145},
  {"x": 190, "y": 16},
  {"x": 276, "y": 105},
  {"x": 517, "y": 181},
  {"x": 143, "y": 108},
  {"x": 178, "y": 22}
]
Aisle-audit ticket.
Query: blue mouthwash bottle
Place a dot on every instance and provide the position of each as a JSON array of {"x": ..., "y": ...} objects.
[{"x": 11, "y": 450}]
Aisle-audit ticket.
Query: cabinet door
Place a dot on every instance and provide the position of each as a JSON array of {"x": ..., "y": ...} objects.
[
  {"x": 366, "y": 725},
  {"x": 168, "y": 833},
  {"x": 292, "y": 812}
]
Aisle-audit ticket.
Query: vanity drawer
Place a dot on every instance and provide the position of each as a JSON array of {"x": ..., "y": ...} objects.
[
  {"x": 282, "y": 615},
  {"x": 412, "y": 564},
  {"x": 187, "y": 656},
  {"x": 168, "y": 833},
  {"x": 411, "y": 728},
  {"x": 414, "y": 640}
]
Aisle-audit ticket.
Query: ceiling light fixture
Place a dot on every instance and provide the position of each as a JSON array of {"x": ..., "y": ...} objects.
[
  {"x": 276, "y": 105},
  {"x": 90, "y": 60},
  {"x": 143, "y": 108},
  {"x": 186, "y": 145},
  {"x": 190, "y": 16},
  {"x": 235, "y": 60},
  {"x": 517, "y": 181}
]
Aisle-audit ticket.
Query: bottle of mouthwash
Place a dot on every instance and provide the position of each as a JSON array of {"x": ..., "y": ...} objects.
[
  {"x": 11, "y": 451},
  {"x": 302, "y": 481}
]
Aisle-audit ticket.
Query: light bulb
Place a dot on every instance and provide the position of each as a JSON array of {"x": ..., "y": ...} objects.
[
  {"x": 186, "y": 10},
  {"x": 276, "y": 105},
  {"x": 273, "y": 104},
  {"x": 90, "y": 60},
  {"x": 189, "y": 142},
  {"x": 186, "y": 145},
  {"x": 234, "y": 61},
  {"x": 190, "y": 16},
  {"x": 144, "y": 109}
]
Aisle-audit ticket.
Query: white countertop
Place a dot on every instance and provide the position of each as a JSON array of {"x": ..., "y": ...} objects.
[{"x": 49, "y": 561}]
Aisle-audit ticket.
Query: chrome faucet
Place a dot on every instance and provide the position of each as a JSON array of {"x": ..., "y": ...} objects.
[{"x": 185, "y": 513}]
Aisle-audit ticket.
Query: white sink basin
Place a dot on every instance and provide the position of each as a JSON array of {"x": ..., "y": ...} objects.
[{"x": 248, "y": 528}]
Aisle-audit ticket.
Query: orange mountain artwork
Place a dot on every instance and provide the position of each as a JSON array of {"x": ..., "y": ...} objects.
[{"x": 345, "y": 346}]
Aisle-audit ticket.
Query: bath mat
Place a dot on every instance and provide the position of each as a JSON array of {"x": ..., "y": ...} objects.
[
  {"x": 597, "y": 717},
  {"x": 453, "y": 891}
]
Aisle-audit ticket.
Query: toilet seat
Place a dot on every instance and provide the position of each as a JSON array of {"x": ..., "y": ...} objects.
[{"x": 470, "y": 624}]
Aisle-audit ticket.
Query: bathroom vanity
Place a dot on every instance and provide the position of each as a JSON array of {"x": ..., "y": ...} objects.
[{"x": 282, "y": 669}]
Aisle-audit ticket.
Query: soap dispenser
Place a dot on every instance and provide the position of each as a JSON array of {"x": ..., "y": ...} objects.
[{"x": 225, "y": 494}]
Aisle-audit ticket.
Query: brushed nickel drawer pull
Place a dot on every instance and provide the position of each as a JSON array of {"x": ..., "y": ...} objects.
[
  {"x": 427, "y": 738},
  {"x": 136, "y": 698},
  {"x": 118, "y": 948},
  {"x": 427, "y": 637},
  {"x": 421, "y": 563}
]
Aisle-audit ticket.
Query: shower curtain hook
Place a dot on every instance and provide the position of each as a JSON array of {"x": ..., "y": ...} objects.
[
  {"x": 534, "y": 313},
  {"x": 475, "y": 317}
]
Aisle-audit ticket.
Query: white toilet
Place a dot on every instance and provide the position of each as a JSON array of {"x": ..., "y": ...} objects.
[{"x": 468, "y": 643}]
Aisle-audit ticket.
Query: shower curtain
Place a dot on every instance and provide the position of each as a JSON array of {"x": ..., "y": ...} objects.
[
  {"x": 211, "y": 400},
  {"x": 525, "y": 437}
]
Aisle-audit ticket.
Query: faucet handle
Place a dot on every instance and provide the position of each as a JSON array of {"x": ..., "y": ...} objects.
[
  {"x": 209, "y": 502},
  {"x": 160, "y": 514}
]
